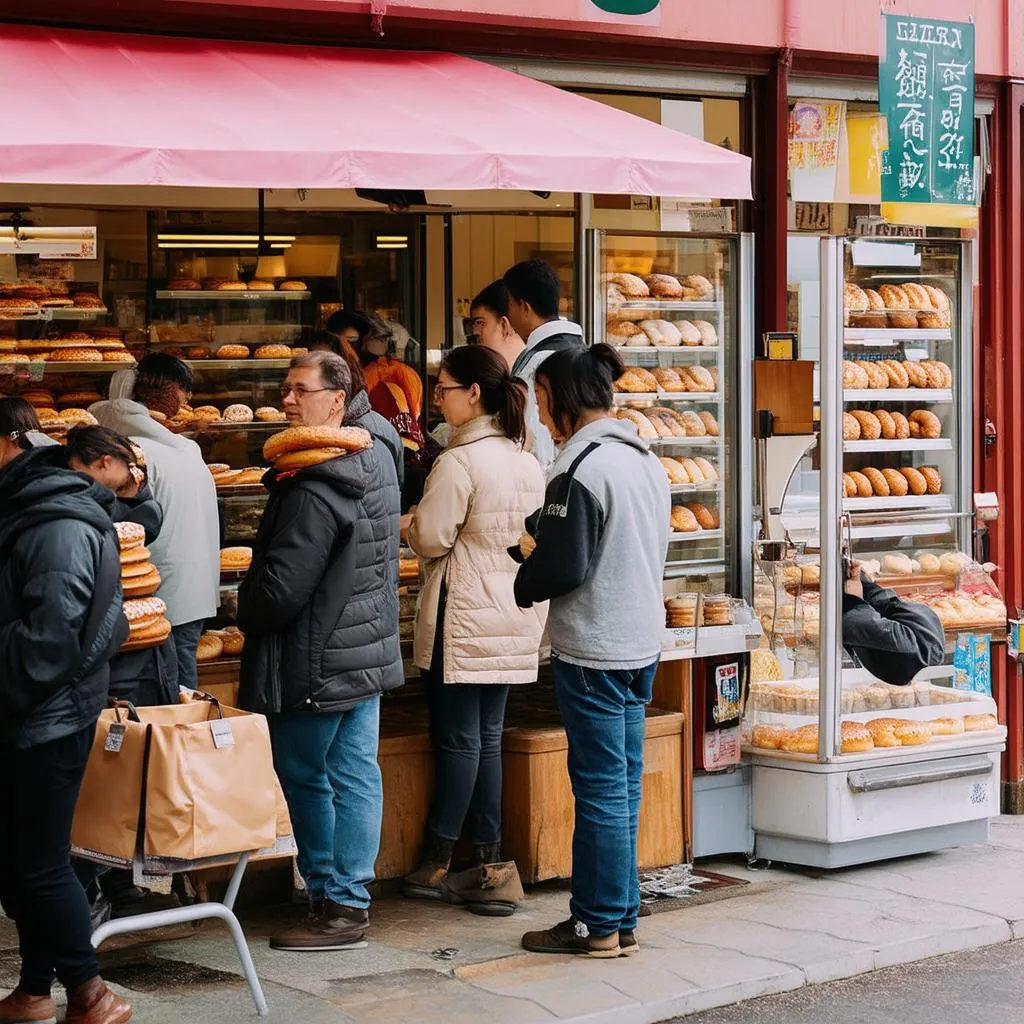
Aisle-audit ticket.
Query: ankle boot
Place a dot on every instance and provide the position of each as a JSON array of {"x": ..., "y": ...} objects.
[
  {"x": 94, "y": 1003},
  {"x": 21, "y": 1008},
  {"x": 488, "y": 853},
  {"x": 490, "y": 889},
  {"x": 426, "y": 881}
]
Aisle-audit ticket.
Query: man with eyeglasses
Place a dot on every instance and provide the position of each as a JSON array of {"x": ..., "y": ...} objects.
[
  {"x": 187, "y": 552},
  {"x": 319, "y": 609}
]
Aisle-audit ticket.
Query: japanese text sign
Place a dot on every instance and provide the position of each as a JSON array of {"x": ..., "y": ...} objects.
[{"x": 926, "y": 93}]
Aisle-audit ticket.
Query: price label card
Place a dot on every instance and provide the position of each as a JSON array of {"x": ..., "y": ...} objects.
[
  {"x": 115, "y": 738},
  {"x": 222, "y": 734}
]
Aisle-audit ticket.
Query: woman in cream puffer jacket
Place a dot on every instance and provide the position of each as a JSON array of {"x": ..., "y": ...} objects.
[{"x": 472, "y": 641}]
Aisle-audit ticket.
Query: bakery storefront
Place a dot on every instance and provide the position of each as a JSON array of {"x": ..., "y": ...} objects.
[{"x": 124, "y": 236}]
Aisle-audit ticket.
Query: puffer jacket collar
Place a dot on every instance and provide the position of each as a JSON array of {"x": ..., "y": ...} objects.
[{"x": 475, "y": 430}]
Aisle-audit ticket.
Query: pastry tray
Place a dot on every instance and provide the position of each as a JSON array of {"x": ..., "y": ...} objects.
[
  {"x": 909, "y": 444},
  {"x": 233, "y": 296},
  {"x": 925, "y": 501},
  {"x": 238, "y": 364},
  {"x": 695, "y": 350},
  {"x": 927, "y": 396},
  {"x": 705, "y": 441},
  {"x": 242, "y": 491},
  {"x": 709, "y": 397},
  {"x": 894, "y": 335},
  {"x": 691, "y": 536}
]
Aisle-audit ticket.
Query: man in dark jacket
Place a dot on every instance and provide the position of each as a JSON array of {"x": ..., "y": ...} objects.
[
  {"x": 60, "y": 623},
  {"x": 319, "y": 609},
  {"x": 892, "y": 638}
]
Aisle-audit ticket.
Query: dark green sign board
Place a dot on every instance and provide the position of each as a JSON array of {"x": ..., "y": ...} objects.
[
  {"x": 926, "y": 92},
  {"x": 627, "y": 8}
]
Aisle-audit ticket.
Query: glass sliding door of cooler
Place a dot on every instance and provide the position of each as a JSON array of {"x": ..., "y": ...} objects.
[{"x": 671, "y": 306}]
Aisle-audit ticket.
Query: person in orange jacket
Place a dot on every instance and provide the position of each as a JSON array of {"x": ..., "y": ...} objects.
[{"x": 377, "y": 352}]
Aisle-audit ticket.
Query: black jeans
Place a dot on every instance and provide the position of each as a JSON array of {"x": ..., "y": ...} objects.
[
  {"x": 466, "y": 722},
  {"x": 38, "y": 890}
]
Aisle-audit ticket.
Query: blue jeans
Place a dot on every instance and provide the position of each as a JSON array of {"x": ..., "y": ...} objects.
[
  {"x": 603, "y": 715},
  {"x": 186, "y": 640},
  {"x": 328, "y": 769}
]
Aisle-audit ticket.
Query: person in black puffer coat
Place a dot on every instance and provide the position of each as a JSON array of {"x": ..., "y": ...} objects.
[
  {"x": 319, "y": 609},
  {"x": 60, "y": 624}
]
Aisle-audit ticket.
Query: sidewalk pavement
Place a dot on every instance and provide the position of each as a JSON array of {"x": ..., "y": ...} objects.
[{"x": 429, "y": 962}]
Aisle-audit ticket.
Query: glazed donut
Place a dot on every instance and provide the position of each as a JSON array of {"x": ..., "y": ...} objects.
[
  {"x": 854, "y": 375},
  {"x": 862, "y": 483},
  {"x": 704, "y": 516},
  {"x": 936, "y": 378},
  {"x": 928, "y": 422},
  {"x": 232, "y": 352},
  {"x": 877, "y": 377},
  {"x": 870, "y": 428},
  {"x": 851, "y": 428},
  {"x": 295, "y": 439},
  {"x": 898, "y": 377},
  {"x": 700, "y": 377},
  {"x": 898, "y": 485},
  {"x": 902, "y": 425},
  {"x": 273, "y": 352},
  {"x": 849, "y": 487},
  {"x": 683, "y": 520},
  {"x": 916, "y": 374},
  {"x": 887, "y": 423},
  {"x": 933, "y": 478},
  {"x": 918, "y": 484},
  {"x": 877, "y": 481},
  {"x": 917, "y": 296},
  {"x": 710, "y": 423}
]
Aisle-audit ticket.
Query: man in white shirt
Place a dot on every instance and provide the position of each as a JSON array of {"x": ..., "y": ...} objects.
[{"x": 533, "y": 295}]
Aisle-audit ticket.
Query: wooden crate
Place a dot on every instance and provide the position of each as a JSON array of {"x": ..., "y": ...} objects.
[{"x": 538, "y": 803}]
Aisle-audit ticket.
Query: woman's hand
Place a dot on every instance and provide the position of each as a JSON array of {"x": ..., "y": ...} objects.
[
  {"x": 853, "y": 583},
  {"x": 405, "y": 523}
]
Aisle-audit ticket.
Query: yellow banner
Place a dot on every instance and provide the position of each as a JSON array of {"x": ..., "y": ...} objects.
[
  {"x": 935, "y": 215},
  {"x": 866, "y": 139}
]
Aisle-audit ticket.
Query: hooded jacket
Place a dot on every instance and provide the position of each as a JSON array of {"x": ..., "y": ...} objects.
[
  {"x": 57, "y": 544},
  {"x": 474, "y": 507},
  {"x": 319, "y": 604},
  {"x": 602, "y": 536},
  {"x": 359, "y": 413},
  {"x": 187, "y": 550},
  {"x": 892, "y": 638}
]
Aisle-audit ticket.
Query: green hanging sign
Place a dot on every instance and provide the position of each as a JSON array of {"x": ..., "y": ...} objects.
[
  {"x": 926, "y": 92},
  {"x": 626, "y": 8}
]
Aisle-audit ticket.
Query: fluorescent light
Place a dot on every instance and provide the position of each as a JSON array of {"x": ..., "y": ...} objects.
[
  {"x": 392, "y": 241},
  {"x": 221, "y": 245},
  {"x": 223, "y": 238},
  {"x": 392, "y": 245}
]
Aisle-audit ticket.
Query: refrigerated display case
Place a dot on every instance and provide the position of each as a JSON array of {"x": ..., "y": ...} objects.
[{"x": 846, "y": 768}]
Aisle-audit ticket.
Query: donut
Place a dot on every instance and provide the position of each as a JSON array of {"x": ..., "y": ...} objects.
[
  {"x": 854, "y": 375},
  {"x": 877, "y": 481},
  {"x": 273, "y": 352},
  {"x": 898, "y": 485},
  {"x": 130, "y": 535},
  {"x": 299, "y": 438},
  {"x": 855, "y": 738},
  {"x": 134, "y": 556},
  {"x": 916, "y": 295},
  {"x": 767, "y": 737},
  {"x": 862, "y": 483},
  {"x": 936, "y": 378},
  {"x": 916, "y": 374},
  {"x": 980, "y": 723},
  {"x": 234, "y": 559},
  {"x": 877, "y": 377},
  {"x": 238, "y": 414},
  {"x": 232, "y": 352},
  {"x": 929, "y": 423},
  {"x": 933, "y": 478},
  {"x": 683, "y": 520},
  {"x": 851, "y": 428},
  {"x": 710, "y": 423},
  {"x": 142, "y": 586},
  {"x": 704, "y": 516},
  {"x": 887, "y": 423},
  {"x": 209, "y": 648},
  {"x": 701, "y": 378},
  {"x": 849, "y": 486},
  {"x": 902, "y": 425},
  {"x": 918, "y": 484},
  {"x": 898, "y": 377},
  {"x": 870, "y": 428}
]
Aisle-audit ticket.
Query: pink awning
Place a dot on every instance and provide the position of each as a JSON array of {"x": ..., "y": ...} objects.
[{"x": 93, "y": 108}]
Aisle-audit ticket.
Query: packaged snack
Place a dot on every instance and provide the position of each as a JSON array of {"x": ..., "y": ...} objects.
[
  {"x": 981, "y": 668},
  {"x": 962, "y": 659}
]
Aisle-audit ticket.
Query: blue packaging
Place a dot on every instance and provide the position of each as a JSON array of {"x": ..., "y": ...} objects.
[
  {"x": 962, "y": 662},
  {"x": 981, "y": 664}
]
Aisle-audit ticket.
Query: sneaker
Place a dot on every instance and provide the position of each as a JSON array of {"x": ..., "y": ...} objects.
[
  {"x": 627, "y": 942},
  {"x": 573, "y": 937},
  {"x": 328, "y": 927},
  {"x": 21, "y": 1008}
]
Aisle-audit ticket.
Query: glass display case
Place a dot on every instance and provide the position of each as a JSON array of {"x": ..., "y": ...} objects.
[
  {"x": 846, "y": 767},
  {"x": 671, "y": 306}
]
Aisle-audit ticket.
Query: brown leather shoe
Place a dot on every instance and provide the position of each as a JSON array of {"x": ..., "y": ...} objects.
[
  {"x": 21, "y": 1008},
  {"x": 573, "y": 937},
  {"x": 491, "y": 890},
  {"x": 335, "y": 928},
  {"x": 94, "y": 1003}
]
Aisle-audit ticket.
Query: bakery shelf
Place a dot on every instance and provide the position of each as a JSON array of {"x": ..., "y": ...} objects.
[
  {"x": 708, "y": 397},
  {"x": 893, "y": 335},
  {"x": 910, "y": 444},
  {"x": 925, "y": 501},
  {"x": 242, "y": 491},
  {"x": 927, "y": 396},
  {"x": 61, "y": 367},
  {"x": 663, "y": 306},
  {"x": 230, "y": 578},
  {"x": 889, "y": 530},
  {"x": 707, "y": 485},
  {"x": 75, "y": 312},
  {"x": 675, "y": 442},
  {"x": 256, "y": 426},
  {"x": 234, "y": 296},
  {"x": 689, "y": 350},
  {"x": 238, "y": 364},
  {"x": 695, "y": 535},
  {"x": 684, "y": 566}
]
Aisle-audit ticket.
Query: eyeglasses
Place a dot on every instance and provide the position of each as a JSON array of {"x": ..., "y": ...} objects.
[
  {"x": 441, "y": 389},
  {"x": 299, "y": 392}
]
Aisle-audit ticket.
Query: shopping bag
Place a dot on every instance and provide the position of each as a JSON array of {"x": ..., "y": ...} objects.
[
  {"x": 210, "y": 787},
  {"x": 109, "y": 805}
]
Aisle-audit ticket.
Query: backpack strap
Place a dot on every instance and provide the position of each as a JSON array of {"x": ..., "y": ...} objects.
[{"x": 556, "y": 343}]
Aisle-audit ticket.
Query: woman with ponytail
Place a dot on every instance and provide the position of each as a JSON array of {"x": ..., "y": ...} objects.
[
  {"x": 472, "y": 641},
  {"x": 601, "y": 538}
]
